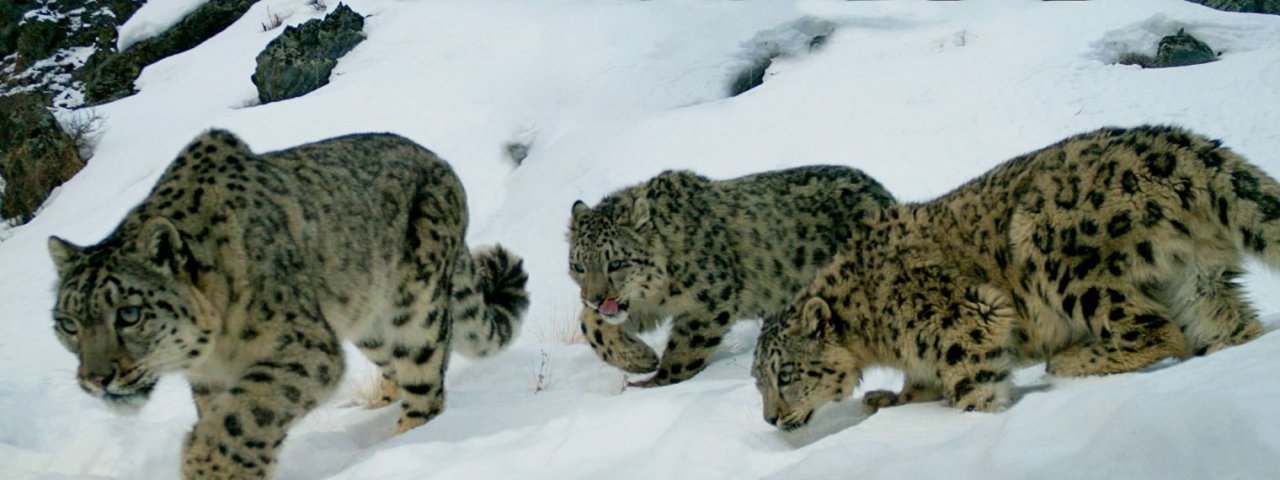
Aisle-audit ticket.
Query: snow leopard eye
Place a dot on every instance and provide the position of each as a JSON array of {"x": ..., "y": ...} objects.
[
  {"x": 577, "y": 267},
  {"x": 68, "y": 326},
  {"x": 785, "y": 377},
  {"x": 616, "y": 264},
  {"x": 128, "y": 316}
]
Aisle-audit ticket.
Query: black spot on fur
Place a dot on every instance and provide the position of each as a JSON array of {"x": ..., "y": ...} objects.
[
  {"x": 1152, "y": 214},
  {"x": 963, "y": 387},
  {"x": 1090, "y": 260},
  {"x": 1119, "y": 225},
  {"x": 1089, "y": 302},
  {"x": 262, "y": 416},
  {"x": 1212, "y": 158},
  {"x": 1088, "y": 227},
  {"x": 291, "y": 393},
  {"x": 1253, "y": 240},
  {"x": 418, "y": 389},
  {"x": 1150, "y": 321},
  {"x": 1146, "y": 251},
  {"x": 259, "y": 377},
  {"x": 955, "y": 354},
  {"x": 1247, "y": 187},
  {"x": 1069, "y": 304},
  {"x": 1160, "y": 164},
  {"x": 1116, "y": 263},
  {"x": 1129, "y": 182},
  {"x": 232, "y": 425},
  {"x": 1096, "y": 198},
  {"x": 696, "y": 365},
  {"x": 424, "y": 354}
]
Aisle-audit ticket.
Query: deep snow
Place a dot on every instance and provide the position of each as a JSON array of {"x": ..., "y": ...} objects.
[{"x": 921, "y": 95}]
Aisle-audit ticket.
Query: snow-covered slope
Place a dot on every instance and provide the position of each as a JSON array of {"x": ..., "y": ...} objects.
[{"x": 922, "y": 95}]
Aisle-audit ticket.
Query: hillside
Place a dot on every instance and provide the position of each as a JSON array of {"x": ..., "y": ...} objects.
[{"x": 606, "y": 93}]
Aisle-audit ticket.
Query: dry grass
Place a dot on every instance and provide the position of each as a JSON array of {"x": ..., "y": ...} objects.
[
  {"x": 563, "y": 328},
  {"x": 84, "y": 127},
  {"x": 542, "y": 373},
  {"x": 273, "y": 21}
]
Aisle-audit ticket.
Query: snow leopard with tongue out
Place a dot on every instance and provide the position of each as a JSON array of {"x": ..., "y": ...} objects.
[{"x": 705, "y": 253}]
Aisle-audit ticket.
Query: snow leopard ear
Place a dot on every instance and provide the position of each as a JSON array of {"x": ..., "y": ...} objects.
[
  {"x": 580, "y": 208},
  {"x": 640, "y": 212},
  {"x": 62, "y": 252},
  {"x": 163, "y": 247},
  {"x": 813, "y": 315},
  {"x": 215, "y": 143}
]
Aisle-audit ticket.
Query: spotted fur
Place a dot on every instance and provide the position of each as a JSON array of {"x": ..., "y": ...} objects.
[
  {"x": 243, "y": 271},
  {"x": 1104, "y": 253},
  {"x": 706, "y": 253}
]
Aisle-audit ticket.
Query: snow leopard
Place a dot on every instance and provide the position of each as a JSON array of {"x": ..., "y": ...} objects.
[
  {"x": 244, "y": 271},
  {"x": 1101, "y": 254},
  {"x": 706, "y": 253}
]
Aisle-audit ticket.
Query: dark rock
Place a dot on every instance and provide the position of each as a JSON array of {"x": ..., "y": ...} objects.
[
  {"x": 1140, "y": 59},
  {"x": 109, "y": 75},
  {"x": 40, "y": 42},
  {"x": 790, "y": 40},
  {"x": 36, "y": 155},
  {"x": 11, "y": 12},
  {"x": 750, "y": 77},
  {"x": 1249, "y": 6},
  {"x": 517, "y": 152},
  {"x": 37, "y": 38},
  {"x": 301, "y": 59},
  {"x": 1181, "y": 49}
]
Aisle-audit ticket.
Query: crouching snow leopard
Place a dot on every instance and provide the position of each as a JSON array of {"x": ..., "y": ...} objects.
[
  {"x": 1101, "y": 254},
  {"x": 706, "y": 253},
  {"x": 243, "y": 271}
]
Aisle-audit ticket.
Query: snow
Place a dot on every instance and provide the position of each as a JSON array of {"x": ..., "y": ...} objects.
[{"x": 921, "y": 95}]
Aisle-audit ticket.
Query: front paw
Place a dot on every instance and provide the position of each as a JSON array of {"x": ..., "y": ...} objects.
[
  {"x": 874, "y": 400},
  {"x": 1069, "y": 366},
  {"x": 386, "y": 393},
  {"x": 638, "y": 359},
  {"x": 990, "y": 399},
  {"x": 657, "y": 380}
]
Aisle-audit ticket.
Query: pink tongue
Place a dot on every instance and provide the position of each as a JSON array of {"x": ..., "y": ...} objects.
[{"x": 609, "y": 307}]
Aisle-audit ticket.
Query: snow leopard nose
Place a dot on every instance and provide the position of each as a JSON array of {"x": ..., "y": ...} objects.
[
  {"x": 101, "y": 380},
  {"x": 597, "y": 299}
]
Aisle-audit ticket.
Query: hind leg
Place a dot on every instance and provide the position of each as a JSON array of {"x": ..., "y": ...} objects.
[
  {"x": 1130, "y": 331},
  {"x": 386, "y": 392},
  {"x": 418, "y": 330},
  {"x": 418, "y": 342},
  {"x": 1215, "y": 314},
  {"x": 975, "y": 356},
  {"x": 615, "y": 345}
]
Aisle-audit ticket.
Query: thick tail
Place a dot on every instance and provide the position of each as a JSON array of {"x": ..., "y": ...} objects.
[
  {"x": 489, "y": 301},
  {"x": 1254, "y": 216}
]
